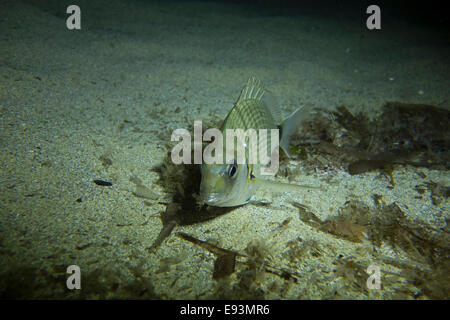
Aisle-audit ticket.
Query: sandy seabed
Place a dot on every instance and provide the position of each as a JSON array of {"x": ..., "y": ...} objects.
[{"x": 101, "y": 103}]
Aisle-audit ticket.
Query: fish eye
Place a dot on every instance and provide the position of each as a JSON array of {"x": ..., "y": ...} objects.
[{"x": 232, "y": 168}]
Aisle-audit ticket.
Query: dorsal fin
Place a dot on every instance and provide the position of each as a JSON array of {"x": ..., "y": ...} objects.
[{"x": 252, "y": 90}]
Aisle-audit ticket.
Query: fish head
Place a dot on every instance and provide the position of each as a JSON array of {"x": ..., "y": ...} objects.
[{"x": 225, "y": 185}]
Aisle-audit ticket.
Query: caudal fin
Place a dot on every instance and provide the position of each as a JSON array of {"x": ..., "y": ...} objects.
[{"x": 289, "y": 126}]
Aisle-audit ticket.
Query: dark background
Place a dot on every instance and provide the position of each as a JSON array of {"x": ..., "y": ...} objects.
[{"x": 433, "y": 13}]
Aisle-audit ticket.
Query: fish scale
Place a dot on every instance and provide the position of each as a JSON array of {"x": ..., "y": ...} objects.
[{"x": 250, "y": 112}]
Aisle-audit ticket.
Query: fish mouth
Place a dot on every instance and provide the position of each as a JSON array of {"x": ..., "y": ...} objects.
[{"x": 210, "y": 198}]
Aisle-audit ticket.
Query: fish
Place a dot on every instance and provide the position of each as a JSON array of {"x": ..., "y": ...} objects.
[{"x": 235, "y": 184}]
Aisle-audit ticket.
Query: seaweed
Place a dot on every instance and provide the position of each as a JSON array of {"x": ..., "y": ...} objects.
[
  {"x": 349, "y": 223},
  {"x": 403, "y": 134},
  {"x": 251, "y": 276},
  {"x": 421, "y": 242},
  {"x": 225, "y": 261},
  {"x": 361, "y": 166},
  {"x": 345, "y": 229},
  {"x": 424, "y": 272},
  {"x": 426, "y": 247},
  {"x": 224, "y": 266},
  {"x": 299, "y": 249},
  {"x": 352, "y": 272},
  {"x": 439, "y": 192},
  {"x": 208, "y": 246},
  {"x": 359, "y": 126},
  {"x": 307, "y": 216},
  {"x": 169, "y": 220}
]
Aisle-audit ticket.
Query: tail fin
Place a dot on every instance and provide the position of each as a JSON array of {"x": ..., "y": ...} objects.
[{"x": 289, "y": 126}]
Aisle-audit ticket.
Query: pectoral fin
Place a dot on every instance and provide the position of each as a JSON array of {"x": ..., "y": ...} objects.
[{"x": 275, "y": 186}]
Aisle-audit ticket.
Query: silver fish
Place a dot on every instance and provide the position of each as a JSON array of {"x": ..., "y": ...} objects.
[{"x": 228, "y": 185}]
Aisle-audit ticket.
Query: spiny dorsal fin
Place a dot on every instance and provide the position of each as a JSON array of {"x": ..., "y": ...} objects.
[{"x": 252, "y": 90}]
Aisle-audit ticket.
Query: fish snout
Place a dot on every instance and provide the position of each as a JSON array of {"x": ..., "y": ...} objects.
[{"x": 208, "y": 198}]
